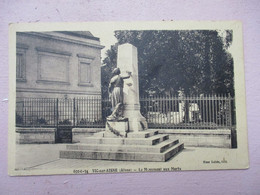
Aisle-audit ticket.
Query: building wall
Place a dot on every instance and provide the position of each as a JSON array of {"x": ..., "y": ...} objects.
[{"x": 58, "y": 65}]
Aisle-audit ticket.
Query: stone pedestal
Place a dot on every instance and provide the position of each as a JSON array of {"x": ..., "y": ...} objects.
[
  {"x": 119, "y": 128},
  {"x": 127, "y": 62}
]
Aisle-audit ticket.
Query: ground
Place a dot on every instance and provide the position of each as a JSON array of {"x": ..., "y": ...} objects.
[{"x": 46, "y": 156}]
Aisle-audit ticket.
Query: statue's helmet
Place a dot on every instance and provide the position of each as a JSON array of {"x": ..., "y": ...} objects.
[{"x": 116, "y": 71}]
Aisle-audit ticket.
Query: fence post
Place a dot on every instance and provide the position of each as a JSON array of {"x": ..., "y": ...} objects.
[
  {"x": 74, "y": 112},
  {"x": 23, "y": 117},
  {"x": 230, "y": 110},
  {"x": 57, "y": 112}
]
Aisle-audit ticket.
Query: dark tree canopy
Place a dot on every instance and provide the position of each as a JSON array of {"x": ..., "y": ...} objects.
[{"x": 196, "y": 62}]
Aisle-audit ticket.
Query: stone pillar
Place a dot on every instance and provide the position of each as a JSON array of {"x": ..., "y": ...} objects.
[{"x": 127, "y": 62}]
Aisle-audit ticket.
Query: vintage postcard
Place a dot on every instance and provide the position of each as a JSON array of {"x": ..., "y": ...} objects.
[{"x": 115, "y": 97}]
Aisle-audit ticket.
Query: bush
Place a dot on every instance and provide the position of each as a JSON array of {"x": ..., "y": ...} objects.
[
  {"x": 41, "y": 121},
  {"x": 19, "y": 119},
  {"x": 65, "y": 122}
]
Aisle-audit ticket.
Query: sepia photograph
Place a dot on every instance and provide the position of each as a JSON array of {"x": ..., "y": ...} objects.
[{"x": 113, "y": 97}]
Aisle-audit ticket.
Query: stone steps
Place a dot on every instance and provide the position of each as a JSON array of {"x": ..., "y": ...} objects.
[
  {"x": 124, "y": 156},
  {"x": 137, "y": 146},
  {"x": 126, "y": 141},
  {"x": 139, "y": 134},
  {"x": 142, "y": 134},
  {"x": 171, "y": 152},
  {"x": 159, "y": 148}
]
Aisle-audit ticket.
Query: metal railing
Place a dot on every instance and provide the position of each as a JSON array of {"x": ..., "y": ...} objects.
[
  {"x": 51, "y": 112},
  {"x": 207, "y": 112},
  {"x": 201, "y": 112}
]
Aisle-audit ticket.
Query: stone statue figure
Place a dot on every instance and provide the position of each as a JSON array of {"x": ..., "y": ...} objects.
[{"x": 116, "y": 94}]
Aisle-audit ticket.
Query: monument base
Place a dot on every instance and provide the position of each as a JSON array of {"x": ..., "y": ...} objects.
[
  {"x": 136, "y": 121},
  {"x": 117, "y": 127},
  {"x": 138, "y": 146},
  {"x": 138, "y": 124}
]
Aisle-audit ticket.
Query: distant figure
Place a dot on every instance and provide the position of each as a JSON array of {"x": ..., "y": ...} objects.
[{"x": 116, "y": 94}]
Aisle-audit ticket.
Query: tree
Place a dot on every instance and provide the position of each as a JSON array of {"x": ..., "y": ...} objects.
[
  {"x": 106, "y": 71},
  {"x": 196, "y": 62}
]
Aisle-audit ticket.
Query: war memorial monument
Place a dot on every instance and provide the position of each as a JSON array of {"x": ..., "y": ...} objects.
[{"x": 126, "y": 136}]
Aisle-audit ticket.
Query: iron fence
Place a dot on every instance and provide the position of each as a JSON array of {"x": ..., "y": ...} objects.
[
  {"x": 201, "y": 112},
  {"x": 50, "y": 112},
  {"x": 206, "y": 112}
]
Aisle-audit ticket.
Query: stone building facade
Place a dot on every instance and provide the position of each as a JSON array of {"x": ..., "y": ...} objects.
[
  {"x": 53, "y": 69},
  {"x": 57, "y": 65}
]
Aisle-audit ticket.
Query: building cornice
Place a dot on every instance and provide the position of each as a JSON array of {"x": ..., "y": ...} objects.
[
  {"x": 80, "y": 55},
  {"x": 48, "y": 50},
  {"x": 76, "y": 34},
  {"x": 53, "y": 91},
  {"x": 54, "y": 37},
  {"x": 22, "y": 46}
]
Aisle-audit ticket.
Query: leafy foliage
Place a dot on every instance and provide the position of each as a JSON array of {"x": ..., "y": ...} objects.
[
  {"x": 196, "y": 62},
  {"x": 65, "y": 122}
]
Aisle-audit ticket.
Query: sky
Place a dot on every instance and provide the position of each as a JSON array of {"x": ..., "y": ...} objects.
[{"x": 106, "y": 39}]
